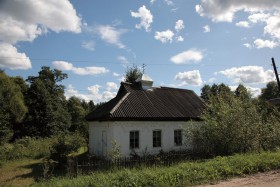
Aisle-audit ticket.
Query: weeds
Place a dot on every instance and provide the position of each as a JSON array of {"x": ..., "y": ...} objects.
[{"x": 184, "y": 174}]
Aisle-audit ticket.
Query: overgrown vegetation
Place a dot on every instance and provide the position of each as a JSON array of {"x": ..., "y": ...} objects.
[
  {"x": 26, "y": 147},
  {"x": 184, "y": 174},
  {"x": 233, "y": 122}
]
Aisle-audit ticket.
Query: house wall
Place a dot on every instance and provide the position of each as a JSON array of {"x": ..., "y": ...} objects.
[
  {"x": 120, "y": 130},
  {"x": 100, "y": 136}
]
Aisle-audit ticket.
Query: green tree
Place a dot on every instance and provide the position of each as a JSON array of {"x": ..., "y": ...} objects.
[
  {"x": 242, "y": 92},
  {"x": 77, "y": 113},
  {"x": 271, "y": 91},
  {"x": 12, "y": 109},
  {"x": 231, "y": 125},
  {"x": 47, "y": 105},
  {"x": 214, "y": 90},
  {"x": 132, "y": 74},
  {"x": 205, "y": 92}
]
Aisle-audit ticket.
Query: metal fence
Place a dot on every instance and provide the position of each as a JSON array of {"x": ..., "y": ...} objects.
[{"x": 93, "y": 164}]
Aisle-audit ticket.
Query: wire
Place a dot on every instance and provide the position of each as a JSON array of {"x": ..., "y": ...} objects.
[{"x": 120, "y": 63}]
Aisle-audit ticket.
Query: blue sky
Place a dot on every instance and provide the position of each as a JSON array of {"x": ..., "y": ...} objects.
[{"x": 183, "y": 43}]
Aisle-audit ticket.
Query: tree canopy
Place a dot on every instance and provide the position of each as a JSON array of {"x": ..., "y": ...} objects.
[
  {"x": 13, "y": 109},
  {"x": 234, "y": 123},
  {"x": 271, "y": 91},
  {"x": 132, "y": 74}
]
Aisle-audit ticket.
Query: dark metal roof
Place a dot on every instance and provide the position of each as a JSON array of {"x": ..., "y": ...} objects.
[
  {"x": 157, "y": 104},
  {"x": 275, "y": 101}
]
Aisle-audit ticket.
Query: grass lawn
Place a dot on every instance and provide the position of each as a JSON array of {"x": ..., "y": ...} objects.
[{"x": 23, "y": 172}]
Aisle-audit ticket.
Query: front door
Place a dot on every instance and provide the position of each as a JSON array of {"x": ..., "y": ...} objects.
[{"x": 104, "y": 143}]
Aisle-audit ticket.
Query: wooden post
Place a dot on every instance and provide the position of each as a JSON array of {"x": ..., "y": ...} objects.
[{"x": 276, "y": 73}]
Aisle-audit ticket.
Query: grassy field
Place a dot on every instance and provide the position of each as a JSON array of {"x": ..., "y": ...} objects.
[{"x": 26, "y": 172}]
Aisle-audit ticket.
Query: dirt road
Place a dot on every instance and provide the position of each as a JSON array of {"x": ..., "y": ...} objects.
[{"x": 269, "y": 179}]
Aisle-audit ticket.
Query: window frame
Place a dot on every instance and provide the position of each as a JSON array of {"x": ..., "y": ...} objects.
[
  {"x": 157, "y": 141},
  {"x": 178, "y": 137},
  {"x": 134, "y": 142}
]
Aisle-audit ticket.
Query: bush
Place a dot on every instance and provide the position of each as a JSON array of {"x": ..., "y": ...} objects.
[{"x": 64, "y": 145}]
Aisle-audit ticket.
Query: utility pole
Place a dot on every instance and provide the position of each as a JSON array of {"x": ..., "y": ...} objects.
[{"x": 276, "y": 74}]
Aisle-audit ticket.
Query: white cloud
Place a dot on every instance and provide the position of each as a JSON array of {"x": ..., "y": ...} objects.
[
  {"x": 249, "y": 46},
  {"x": 243, "y": 24},
  {"x": 248, "y": 74},
  {"x": 206, "y": 28},
  {"x": 164, "y": 36},
  {"x": 110, "y": 34},
  {"x": 179, "y": 25},
  {"x": 123, "y": 59},
  {"x": 146, "y": 18},
  {"x": 26, "y": 20},
  {"x": 189, "y": 78},
  {"x": 169, "y": 2},
  {"x": 273, "y": 26},
  {"x": 258, "y": 17},
  {"x": 89, "y": 45},
  {"x": 111, "y": 86},
  {"x": 267, "y": 12},
  {"x": 192, "y": 55},
  {"x": 219, "y": 10},
  {"x": 179, "y": 39},
  {"x": 94, "y": 93},
  {"x": 12, "y": 59},
  {"x": 66, "y": 66},
  {"x": 212, "y": 80},
  {"x": 116, "y": 74},
  {"x": 259, "y": 43},
  {"x": 254, "y": 91}
]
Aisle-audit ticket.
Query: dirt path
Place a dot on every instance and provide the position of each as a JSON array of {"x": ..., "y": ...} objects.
[
  {"x": 19, "y": 172},
  {"x": 269, "y": 179}
]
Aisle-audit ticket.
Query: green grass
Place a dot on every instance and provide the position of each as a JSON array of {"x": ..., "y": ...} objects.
[{"x": 184, "y": 174}]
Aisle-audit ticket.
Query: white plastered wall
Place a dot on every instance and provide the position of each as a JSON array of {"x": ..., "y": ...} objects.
[{"x": 119, "y": 131}]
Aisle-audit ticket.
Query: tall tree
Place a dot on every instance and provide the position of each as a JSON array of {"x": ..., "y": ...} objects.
[
  {"x": 12, "y": 108},
  {"x": 242, "y": 92},
  {"x": 205, "y": 92},
  {"x": 270, "y": 91},
  {"x": 47, "y": 104},
  {"x": 214, "y": 90},
  {"x": 77, "y": 113},
  {"x": 132, "y": 74}
]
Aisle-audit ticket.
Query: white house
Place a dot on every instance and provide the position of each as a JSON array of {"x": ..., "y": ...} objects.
[{"x": 143, "y": 119}]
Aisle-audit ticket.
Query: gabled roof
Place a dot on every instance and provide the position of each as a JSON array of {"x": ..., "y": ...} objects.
[{"x": 156, "y": 104}]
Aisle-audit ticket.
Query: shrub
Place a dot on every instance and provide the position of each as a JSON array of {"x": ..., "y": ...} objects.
[{"x": 64, "y": 145}]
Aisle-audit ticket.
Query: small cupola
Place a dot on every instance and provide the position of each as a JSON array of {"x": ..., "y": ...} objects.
[{"x": 145, "y": 81}]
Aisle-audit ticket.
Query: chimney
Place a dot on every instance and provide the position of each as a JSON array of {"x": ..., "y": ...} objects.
[{"x": 145, "y": 81}]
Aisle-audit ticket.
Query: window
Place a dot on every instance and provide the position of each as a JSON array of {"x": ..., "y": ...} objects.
[
  {"x": 178, "y": 137},
  {"x": 134, "y": 139},
  {"x": 157, "y": 138}
]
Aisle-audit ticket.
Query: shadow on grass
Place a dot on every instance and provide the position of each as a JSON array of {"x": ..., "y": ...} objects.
[{"x": 37, "y": 172}]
